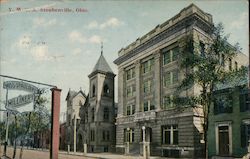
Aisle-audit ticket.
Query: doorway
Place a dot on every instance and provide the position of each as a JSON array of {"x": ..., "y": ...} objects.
[{"x": 223, "y": 140}]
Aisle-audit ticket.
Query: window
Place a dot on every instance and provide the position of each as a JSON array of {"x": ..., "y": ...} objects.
[
  {"x": 147, "y": 86},
  {"x": 148, "y": 106},
  {"x": 93, "y": 91},
  {"x": 129, "y": 135},
  {"x": 236, "y": 65},
  {"x": 147, "y": 66},
  {"x": 131, "y": 91},
  {"x": 92, "y": 135},
  {"x": 170, "y": 55},
  {"x": 223, "y": 103},
  {"x": 130, "y": 109},
  {"x": 69, "y": 119},
  {"x": 170, "y": 135},
  {"x": 93, "y": 114},
  {"x": 245, "y": 135},
  {"x": 171, "y": 78},
  {"x": 202, "y": 49},
  {"x": 230, "y": 64},
  {"x": 106, "y": 90},
  {"x": 106, "y": 114},
  {"x": 130, "y": 73},
  {"x": 244, "y": 101},
  {"x": 105, "y": 135},
  {"x": 168, "y": 102}
]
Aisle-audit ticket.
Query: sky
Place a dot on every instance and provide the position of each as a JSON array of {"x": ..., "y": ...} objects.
[{"x": 61, "y": 48}]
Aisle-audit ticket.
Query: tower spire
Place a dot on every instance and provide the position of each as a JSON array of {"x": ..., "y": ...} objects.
[{"x": 101, "y": 48}]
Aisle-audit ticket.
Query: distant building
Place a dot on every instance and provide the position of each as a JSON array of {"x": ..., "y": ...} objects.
[
  {"x": 148, "y": 74},
  {"x": 74, "y": 101},
  {"x": 62, "y": 139},
  {"x": 98, "y": 113}
]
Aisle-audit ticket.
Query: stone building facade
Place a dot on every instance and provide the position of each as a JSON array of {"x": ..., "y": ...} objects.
[
  {"x": 148, "y": 75},
  {"x": 75, "y": 101},
  {"x": 98, "y": 112}
]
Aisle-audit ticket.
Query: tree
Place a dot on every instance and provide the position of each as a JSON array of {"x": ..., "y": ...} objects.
[{"x": 206, "y": 70}]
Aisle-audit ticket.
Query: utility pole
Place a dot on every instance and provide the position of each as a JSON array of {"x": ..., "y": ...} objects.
[
  {"x": 74, "y": 133},
  {"x": 7, "y": 126}
]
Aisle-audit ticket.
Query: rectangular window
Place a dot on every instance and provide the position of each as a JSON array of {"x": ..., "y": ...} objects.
[
  {"x": 167, "y": 79},
  {"x": 148, "y": 65},
  {"x": 171, "y": 78},
  {"x": 130, "y": 109},
  {"x": 146, "y": 104},
  {"x": 168, "y": 102},
  {"x": 105, "y": 135},
  {"x": 129, "y": 135},
  {"x": 170, "y": 135},
  {"x": 244, "y": 101},
  {"x": 131, "y": 91},
  {"x": 166, "y": 57},
  {"x": 223, "y": 103},
  {"x": 147, "y": 87},
  {"x": 170, "y": 55},
  {"x": 130, "y": 73},
  {"x": 92, "y": 135}
]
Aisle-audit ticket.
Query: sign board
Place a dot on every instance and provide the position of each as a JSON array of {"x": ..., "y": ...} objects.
[
  {"x": 21, "y": 100},
  {"x": 19, "y": 85}
]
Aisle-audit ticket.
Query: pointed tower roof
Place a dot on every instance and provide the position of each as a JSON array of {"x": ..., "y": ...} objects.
[{"x": 101, "y": 65}]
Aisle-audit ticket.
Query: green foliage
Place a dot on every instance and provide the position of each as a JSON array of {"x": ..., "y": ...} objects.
[{"x": 207, "y": 71}]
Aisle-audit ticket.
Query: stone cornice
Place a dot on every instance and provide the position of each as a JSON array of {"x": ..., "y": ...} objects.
[{"x": 192, "y": 20}]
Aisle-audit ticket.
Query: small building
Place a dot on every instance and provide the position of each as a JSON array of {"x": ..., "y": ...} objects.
[
  {"x": 229, "y": 122},
  {"x": 74, "y": 102}
]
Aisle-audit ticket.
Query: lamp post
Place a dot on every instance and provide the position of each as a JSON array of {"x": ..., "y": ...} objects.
[
  {"x": 143, "y": 141},
  {"x": 128, "y": 140},
  {"x": 74, "y": 133}
]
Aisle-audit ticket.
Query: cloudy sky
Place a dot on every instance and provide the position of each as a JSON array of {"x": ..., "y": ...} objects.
[{"x": 61, "y": 48}]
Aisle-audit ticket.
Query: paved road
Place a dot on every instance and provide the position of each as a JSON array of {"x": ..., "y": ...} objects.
[{"x": 38, "y": 154}]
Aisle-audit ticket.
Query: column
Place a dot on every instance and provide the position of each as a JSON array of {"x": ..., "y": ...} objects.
[
  {"x": 120, "y": 92},
  {"x": 138, "y": 87},
  {"x": 157, "y": 79},
  {"x": 55, "y": 106}
]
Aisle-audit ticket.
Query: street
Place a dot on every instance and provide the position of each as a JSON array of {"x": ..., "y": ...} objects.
[{"x": 39, "y": 154}]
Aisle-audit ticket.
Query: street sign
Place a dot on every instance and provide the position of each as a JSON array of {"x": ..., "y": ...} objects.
[
  {"x": 21, "y": 100},
  {"x": 19, "y": 85}
]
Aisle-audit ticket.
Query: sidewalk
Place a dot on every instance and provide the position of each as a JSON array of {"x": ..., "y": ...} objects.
[{"x": 111, "y": 156}]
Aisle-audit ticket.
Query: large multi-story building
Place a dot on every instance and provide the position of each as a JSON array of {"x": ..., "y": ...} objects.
[{"x": 148, "y": 75}]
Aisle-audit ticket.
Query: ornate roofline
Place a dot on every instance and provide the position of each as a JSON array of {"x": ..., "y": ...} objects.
[{"x": 191, "y": 15}]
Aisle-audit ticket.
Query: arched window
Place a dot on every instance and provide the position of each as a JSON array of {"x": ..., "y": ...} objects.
[
  {"x": 93, "y": 91},
  {"x": 106, "y": 89},
  {"x": 106, "y": 114}
]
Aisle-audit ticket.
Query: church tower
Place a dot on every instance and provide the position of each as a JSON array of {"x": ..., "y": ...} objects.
[{"x": 101, "y": 109}]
